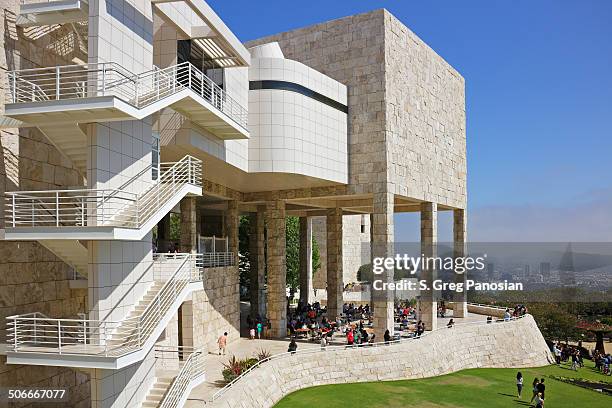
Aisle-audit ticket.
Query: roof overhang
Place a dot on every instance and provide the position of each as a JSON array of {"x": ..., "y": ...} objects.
[{"x": 215, "y": 38}]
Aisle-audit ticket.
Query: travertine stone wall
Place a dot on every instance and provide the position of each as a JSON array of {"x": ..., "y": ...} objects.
[
  {"x": 425, "y": 120},
  {"x": 277, "y": 268},
  {"x": 500, "y": 345},
  {"x": 406, "y": 104},
  {"x": 216, "y": 308},
  {"x": 335, "y": 284},
  {"x": 31, "y": 277}
]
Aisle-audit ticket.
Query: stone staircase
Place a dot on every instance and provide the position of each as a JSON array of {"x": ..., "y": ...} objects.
[{"x": 157, "y": 392}]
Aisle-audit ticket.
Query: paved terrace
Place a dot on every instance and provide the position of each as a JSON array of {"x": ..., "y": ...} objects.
[{"x": 247, "y": 348}]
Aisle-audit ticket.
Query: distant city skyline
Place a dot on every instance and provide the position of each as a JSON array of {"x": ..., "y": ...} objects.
[{"x": 538, "y": 105}]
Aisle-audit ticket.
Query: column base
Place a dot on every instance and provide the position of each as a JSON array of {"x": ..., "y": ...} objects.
[
  {"x": 460, "y": 310},
  {"x": 383, "y": 318},
  {"x": 429, "y": 314}
]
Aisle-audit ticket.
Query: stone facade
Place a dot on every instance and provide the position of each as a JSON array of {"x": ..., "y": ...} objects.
[
  {"x": 515, "y": 344},
  {"x": 408, "y": 140}
]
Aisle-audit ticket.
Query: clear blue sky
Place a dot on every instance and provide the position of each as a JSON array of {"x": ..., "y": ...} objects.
[{"x": 539, "y": 102}]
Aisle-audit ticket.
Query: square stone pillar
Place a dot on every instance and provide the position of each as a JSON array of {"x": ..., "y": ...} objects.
[
  {"x": 460, "y": 239},
  {"x": 382, "y": 247},
  {"x": 232, "y": 223},
  {"x": 306, "y": 288},
  {"x": 189, "y": 234},
  {"x": 428, "y": 306},
  {"x": 335, "y": 284},
  {"x": 277, "y": 268},
  {"x": 257, "y": 263}
]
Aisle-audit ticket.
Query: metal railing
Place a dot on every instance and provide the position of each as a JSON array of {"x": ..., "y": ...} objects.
[
  {"x": 192, "y": 370},
  {"x": 329, "y": 349},
  {"x": 111, "y": 79},
  {"x": 34, "y": 332},
  {"x": 103, "y": 207},
  {"x": 218, "y": 259}
]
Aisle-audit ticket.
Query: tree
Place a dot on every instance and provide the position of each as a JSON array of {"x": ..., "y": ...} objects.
[
  {"x": 244, "y": 265},
  {"x": 554, "y": 322},
  {"x": 599, "y": 329},
  {"x": 293, "y": 252}
]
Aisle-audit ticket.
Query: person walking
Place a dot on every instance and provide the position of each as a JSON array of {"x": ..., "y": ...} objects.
[
  {"x": 222, "y": 343},
  {"x": 539, "y": 400},
  {"x": 541, "y": 389},
  {"x": 259, "y": 329},
  {"x": 519, "y": 384},
  {"x": 575, "y": 361},
  {"x": 535, "y": 389},
  {"x": 387, "y": 336},
  {"x": 323, "y": 342}
]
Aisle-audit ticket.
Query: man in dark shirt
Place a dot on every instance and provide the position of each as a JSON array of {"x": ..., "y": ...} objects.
[{"x": 541, "y": 387}]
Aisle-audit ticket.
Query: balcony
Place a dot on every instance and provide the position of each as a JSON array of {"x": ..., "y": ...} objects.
[
  {"x": 47, "y": 97},
  {"x": 100, "y": 214},
  {"x": 47, "y": 12}
]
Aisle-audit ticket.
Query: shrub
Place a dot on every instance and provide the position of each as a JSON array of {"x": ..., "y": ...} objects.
[{"x": 263, "y": 354}]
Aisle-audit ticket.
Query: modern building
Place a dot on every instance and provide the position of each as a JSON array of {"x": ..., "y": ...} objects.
[{"x": 119, "y": 114}]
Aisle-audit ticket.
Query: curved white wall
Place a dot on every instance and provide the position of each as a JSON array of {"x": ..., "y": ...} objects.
[{"x": 294, "y": 133}]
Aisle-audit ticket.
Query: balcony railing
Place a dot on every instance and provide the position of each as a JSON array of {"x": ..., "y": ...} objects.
[
  {"x": 218, "y": 259},
  {"x": 115, "y": 208},
  {"x": 111, "y": 79},
  {"x": 35, "y": 332}
]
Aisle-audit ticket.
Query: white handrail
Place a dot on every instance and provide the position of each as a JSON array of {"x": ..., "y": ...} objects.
[
  {"x": 34, "y": 332},
  {"x": 192, "y": 369},
  {"x": 103, "y": 207},
  {"x": 111, "y": 79},
  {"x": 328, "y": 349}
]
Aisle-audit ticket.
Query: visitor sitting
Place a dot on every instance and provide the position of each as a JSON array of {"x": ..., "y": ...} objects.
[
  {"x": 450, "y": 324},
  {"x": 292, "y": 346}
]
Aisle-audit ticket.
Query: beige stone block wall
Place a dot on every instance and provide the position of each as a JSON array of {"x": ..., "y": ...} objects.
[
  {"x": 216, "y": 308},
  {"x": 406, "y": 104},
  {"x": 499, "y": 345}
]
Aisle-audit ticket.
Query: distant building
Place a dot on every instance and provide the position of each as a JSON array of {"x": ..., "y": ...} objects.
[
  {"x": 545, "y": 269},
  {"x": 567, "y": 273}
]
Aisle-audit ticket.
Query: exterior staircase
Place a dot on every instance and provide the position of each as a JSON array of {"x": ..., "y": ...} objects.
[
  {"x": 39, "y": 340},
  {"x": 71, "y": 140},
  {"x": 157, "y": 392},
  {"x": 72, "y": 252},
  {"x": 108, "y": 214},
  {"x": 105, "y": 92}
]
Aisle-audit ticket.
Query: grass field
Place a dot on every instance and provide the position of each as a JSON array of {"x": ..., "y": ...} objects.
[{"x": 475, "y": 388}]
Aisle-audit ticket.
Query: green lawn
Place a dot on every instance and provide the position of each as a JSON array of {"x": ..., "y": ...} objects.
[{"x": 486, "y": 387}]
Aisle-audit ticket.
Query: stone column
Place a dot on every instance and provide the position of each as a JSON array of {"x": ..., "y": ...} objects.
[
  {"x": 277, "y": 268},
  {"x": 428, "y": 307},
  {"x": 163, "y": 234},
  {"x": 305, "y": 259},
  {"x": 257, "y": 262},
  {"x": 460, "y": 238},
  {"x": 189, "y": 236},
  {"x": 232, "y": 223},
  {"x": 335, "y": 284},
  {"x": 382, "y": 246}
]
